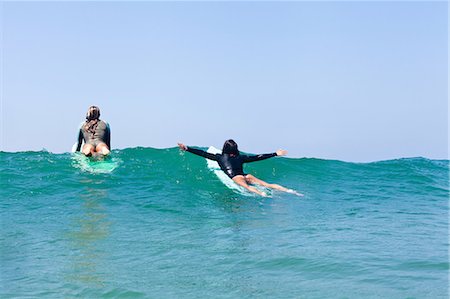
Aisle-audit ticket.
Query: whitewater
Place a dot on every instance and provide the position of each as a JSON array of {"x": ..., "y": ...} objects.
[{"x": 160, "y": 224}]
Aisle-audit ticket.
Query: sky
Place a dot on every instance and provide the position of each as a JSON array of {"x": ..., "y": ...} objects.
[{"x": 353, "y": 81}]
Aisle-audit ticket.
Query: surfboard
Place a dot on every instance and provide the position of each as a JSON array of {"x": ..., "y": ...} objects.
[
  {"x": 74, "y": 147},
  {"x": 94, "y": 164},
  {"x": 214, "y": 167}
]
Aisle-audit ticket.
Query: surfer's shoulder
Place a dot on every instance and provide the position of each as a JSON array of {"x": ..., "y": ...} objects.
[{"x": 106, "y": 124}]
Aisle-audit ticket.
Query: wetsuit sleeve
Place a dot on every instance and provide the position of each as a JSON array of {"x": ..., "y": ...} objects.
[
  {"x": 247, "y": 158},
  {"x": 202, "y": 153},
  {"x": 108, "y": 136},
  {"x": 80, "y": 141}
]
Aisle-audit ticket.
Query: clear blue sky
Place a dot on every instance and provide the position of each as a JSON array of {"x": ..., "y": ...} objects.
[{"x": 355, "y": 81}]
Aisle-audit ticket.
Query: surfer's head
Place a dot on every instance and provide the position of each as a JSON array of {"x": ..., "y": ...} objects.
[
  {"x": 93, "y": 113},
  {"x": 230, "y": 147}
]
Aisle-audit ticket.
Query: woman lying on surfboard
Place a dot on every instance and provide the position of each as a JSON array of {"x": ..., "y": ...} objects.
[
  {"x": 231, "y": 162},
  {"x": 95, "y": 133}
]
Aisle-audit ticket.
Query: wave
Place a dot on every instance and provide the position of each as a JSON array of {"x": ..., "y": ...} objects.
[{"x": 415, "y": 175}]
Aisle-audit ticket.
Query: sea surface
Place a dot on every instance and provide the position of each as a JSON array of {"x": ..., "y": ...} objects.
[{"x": 157, "y": 223}]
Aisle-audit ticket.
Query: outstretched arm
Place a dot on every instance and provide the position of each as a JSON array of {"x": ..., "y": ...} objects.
[
  {"x": 264, "y": 156},
  {"x": 197, "y": 152},
  {"x": 80, "y": 141}
]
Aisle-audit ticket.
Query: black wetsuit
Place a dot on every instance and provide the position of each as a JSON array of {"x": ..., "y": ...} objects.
[
  {"x": 230, "y": 164},
  {"x": 102, "y": 135}
]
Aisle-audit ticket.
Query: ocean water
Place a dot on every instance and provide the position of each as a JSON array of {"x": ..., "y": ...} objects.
[{"x": 159, "y": 224}]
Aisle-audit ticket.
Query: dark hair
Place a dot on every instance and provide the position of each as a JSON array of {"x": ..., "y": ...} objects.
[
  {"x": 92, "y": 117},
  {"x": 93, "y": 113},
  {"x": 230, "y": 147}
]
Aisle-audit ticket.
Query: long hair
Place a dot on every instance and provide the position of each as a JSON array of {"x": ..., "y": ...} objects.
[
  {"x": 230, "y": 147},
  {"x": 92, "y": 118}
]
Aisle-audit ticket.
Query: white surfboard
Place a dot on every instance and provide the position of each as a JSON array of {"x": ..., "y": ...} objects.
[
  {"x": 214, "y": 167},
  {"x": 74, "y": 147}
]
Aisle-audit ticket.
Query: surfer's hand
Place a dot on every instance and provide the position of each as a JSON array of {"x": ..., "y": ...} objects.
[
  {"x": 182, "y": 146},
  {"x": 281, "y": 152}
]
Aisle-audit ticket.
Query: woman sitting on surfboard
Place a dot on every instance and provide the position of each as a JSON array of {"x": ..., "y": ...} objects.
[
  {"x": 95, "y": 133},
  {"x": 231, "y": 162}
]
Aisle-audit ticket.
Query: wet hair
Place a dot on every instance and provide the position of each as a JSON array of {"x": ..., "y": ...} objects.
[
  {"x": 230, "y": 147},
  {"x": 92, "y": 118}
]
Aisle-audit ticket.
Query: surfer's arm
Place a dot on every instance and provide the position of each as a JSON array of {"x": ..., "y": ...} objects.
[
  {"x": 279, "y": 152},
  {"x": 201, "y": 153},
  {"x": 198, "y": 152},
  {"x": 108, "y": 136},
  {"x": 80, "y": 141},
  {"x": 258, "y": 157}
]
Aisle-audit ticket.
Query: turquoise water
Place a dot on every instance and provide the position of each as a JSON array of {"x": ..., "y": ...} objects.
[{"x": 161, "y": 225}]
